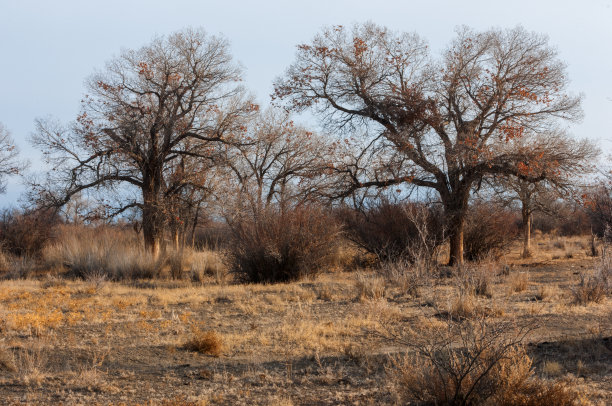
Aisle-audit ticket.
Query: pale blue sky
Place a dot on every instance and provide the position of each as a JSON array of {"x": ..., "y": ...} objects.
[{"x": 48, "y": 48}]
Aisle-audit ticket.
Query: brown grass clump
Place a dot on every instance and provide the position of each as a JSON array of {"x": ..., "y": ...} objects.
[
  {"x": 552, "y": 368},
  {"x": 369, "y": 287},
  {"x": 205, "y": 342},
  {"x": 519, "y": 282},
  {"x": 115, "y": 253},
  {"x": 7, "y": 361},
  {"x": 408, "y": 277},
  {"x": 589, "y": 289},
  {"x": 463, "y": 307},
  {"x": 594, "y": 288},
  {"x": 476, "y": 279},
  {"x": 537, "y": 392}
]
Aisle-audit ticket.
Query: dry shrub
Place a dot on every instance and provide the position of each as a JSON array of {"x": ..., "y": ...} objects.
[
  {"x": 281, "y": 247},
  {"x": 5, "y": 261},
  {"x": 31, "y": 365},
  {"x": 468, "y": 363},
  {"x": 489, "y": 230},
  {"x": 205, "y": 342},
  {"x": 15, "y": 267},
  {"x": 598, "y": 204},
  {"x": 396, "y": 231},
  {"x": 590, "y": 289},
  {"x": 25, "y": 233},
  {"x": 543, "y": 293}
]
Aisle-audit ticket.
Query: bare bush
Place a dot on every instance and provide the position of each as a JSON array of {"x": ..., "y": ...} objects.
[
  {"x": 473, "y": 362},
  {"x": 489, "y": 230},
  {"x": 396, "y": 231},
  {"x": 598, "y": 203},
  {"x": 25, "y": 233},
  {"x": 283, "y": 246}
]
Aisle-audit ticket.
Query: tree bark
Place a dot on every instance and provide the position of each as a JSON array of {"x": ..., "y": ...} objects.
[
  {"x": 151, "y": 232},
  {"x": 152, "y": 216},
  {"x": 455, "y": 212},
  {"x": 526, "y": 233},
  {"x": 456, "y": 241}
]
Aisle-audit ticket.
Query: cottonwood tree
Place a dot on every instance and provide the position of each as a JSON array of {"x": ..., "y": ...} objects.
[
  {"x": 442, "y": 123},
  {"x": 278, "y": 164},
  {"x": 9, "y": 158},
  {"x": 150, "y": 109}
]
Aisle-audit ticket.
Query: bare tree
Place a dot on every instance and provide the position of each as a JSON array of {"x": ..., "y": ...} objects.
[
  {"x": 150, "y": 109},
  {"x": 9, "y": 158},
  {"x": 575, "y": 160},
  {"x": 443, "y": 124},
  {"x": 278, "y": 164}
]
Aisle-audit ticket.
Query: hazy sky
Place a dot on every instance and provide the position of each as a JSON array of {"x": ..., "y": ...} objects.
[{"x": 48, "y": 48}]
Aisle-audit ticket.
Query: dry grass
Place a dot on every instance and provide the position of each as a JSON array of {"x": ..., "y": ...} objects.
[
  {"x": 205, "y": 342},
  {"x": 308, "y": 342},
  {"x": 596, "y": 287},
  {"x": 369, "y": 287},
  {"x": 519, "y": 282},
  {"x": 114, "y": 254},
  {"x": 552, "y": 368}
]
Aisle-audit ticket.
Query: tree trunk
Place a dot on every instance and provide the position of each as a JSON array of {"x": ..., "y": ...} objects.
[
  {"x": 455, "y": 212},
  {"x": 152, "y": 220},
  {"x": 151, "y": 232},
  {"x": 456, "y": 241},
  {"x": 526, "y": 233},
  {"x": 175, "y": 238}
]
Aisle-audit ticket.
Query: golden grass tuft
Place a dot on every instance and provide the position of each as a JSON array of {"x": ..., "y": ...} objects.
[
  {"x": 519, "y": 282},
  {"x": 369, "y": 287},
  {"x": 205, "y": 342},
  {"x": 552, "y": 368}
]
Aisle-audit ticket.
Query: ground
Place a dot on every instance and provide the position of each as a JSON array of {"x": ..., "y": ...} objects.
[{"x": 314, "y": 342}]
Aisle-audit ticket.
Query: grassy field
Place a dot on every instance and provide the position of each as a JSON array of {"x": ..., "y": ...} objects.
[{"x": 338, "y": 338}]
